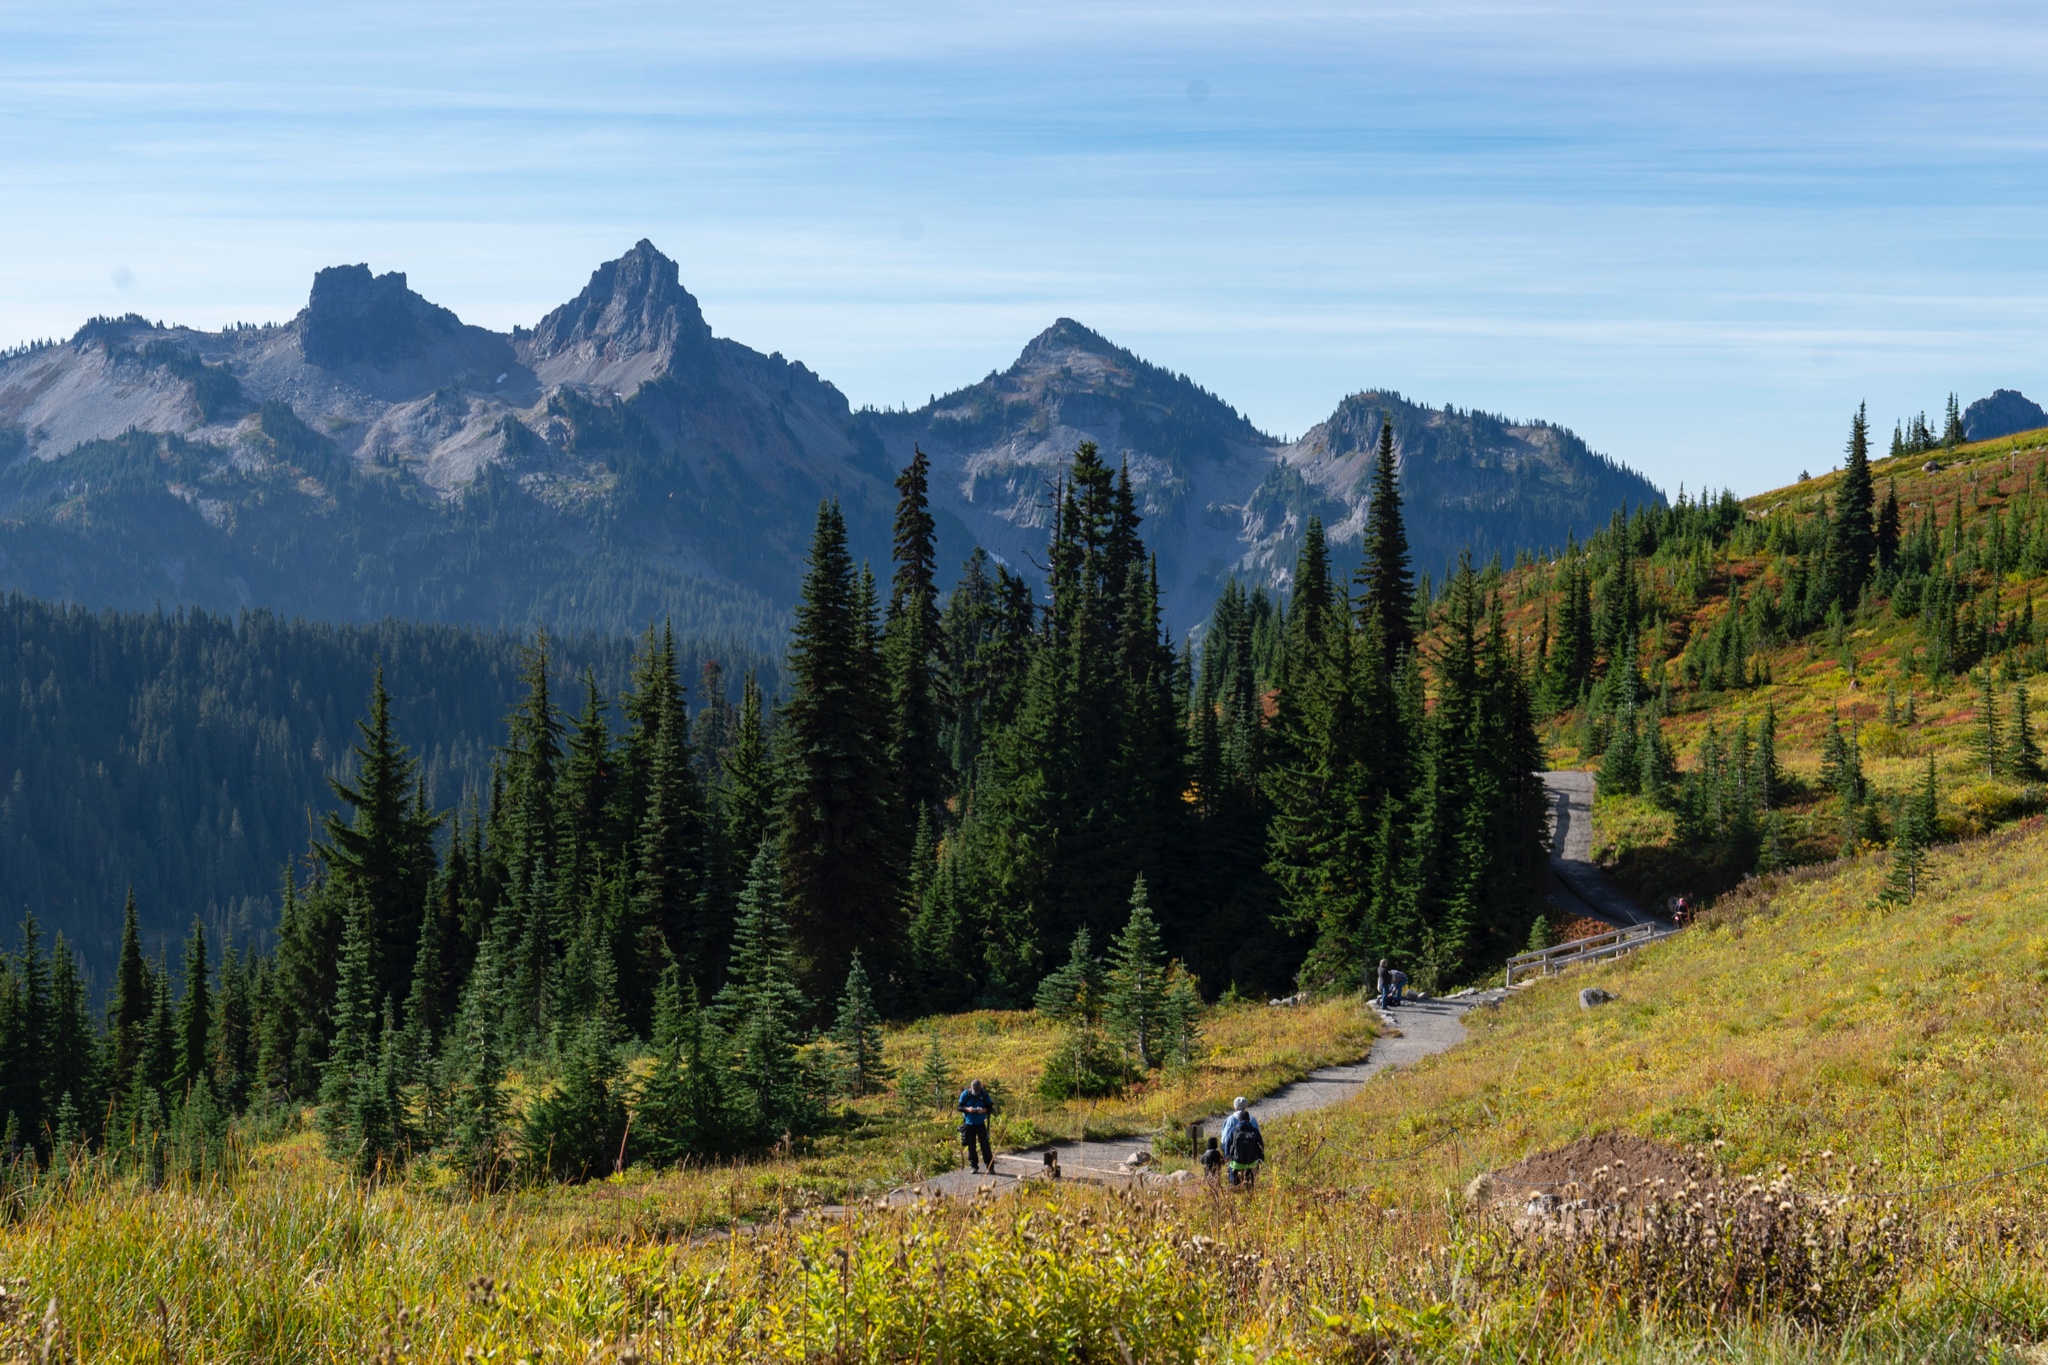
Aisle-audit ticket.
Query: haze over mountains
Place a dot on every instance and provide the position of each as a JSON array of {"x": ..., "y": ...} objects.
[{"x": 618, "y": 462}]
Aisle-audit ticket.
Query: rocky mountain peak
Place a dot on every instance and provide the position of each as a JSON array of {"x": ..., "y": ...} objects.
[
  {"x": 2003, "y": 413},
  {"x": 1064, "y": 339},
  {"x": 353, "y": 316},
  {"x": 633, "y": 306}
]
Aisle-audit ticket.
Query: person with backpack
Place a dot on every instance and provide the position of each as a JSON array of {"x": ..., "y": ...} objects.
[
  {"x": 976, "y": 1104},
  {"x": 1244, "y": 1146}
]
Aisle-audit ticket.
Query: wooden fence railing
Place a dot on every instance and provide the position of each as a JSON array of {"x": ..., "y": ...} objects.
[{"x": 1613, "y": 943}]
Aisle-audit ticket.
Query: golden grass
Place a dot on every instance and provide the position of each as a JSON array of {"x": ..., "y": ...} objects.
[
  {"x": 1800, "y": 1026},
  {"x": 1248, "y": 1048}
]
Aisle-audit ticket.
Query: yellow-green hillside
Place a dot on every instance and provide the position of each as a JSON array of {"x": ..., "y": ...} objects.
[{"x": 1868, "y": 1049}]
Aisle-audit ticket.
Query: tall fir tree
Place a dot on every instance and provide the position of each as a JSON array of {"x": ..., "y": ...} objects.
[
  {"x": 910, "y": 648},
  {"x": 194, "y": 1065},
  {"x": 1854, "y": 540},
  {"x": 671, "y": 859},
  {"x": 379, "y": 849},
  {"x": 1385, "y": 578},
  {"x": 128, "y": 1010},
  {"x": 684, "y": 1108},
  {"x": 858, "y": 1033},
  {"x": 839, "y": 847},
  {"x": 1134, "y": 997}
]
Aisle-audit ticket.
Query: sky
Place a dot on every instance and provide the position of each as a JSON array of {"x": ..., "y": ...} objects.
[{"x": 1699, "y": 235}]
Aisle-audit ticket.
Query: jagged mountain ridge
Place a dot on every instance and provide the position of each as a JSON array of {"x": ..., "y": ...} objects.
[
  {"x": 1222, "y": 498},
  {"x": 618, "y": 462}
]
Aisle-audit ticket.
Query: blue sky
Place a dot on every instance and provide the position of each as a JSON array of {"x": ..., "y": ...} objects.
[{"x": 1698, "y": 234}]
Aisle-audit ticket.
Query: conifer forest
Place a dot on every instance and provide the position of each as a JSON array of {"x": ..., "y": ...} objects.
[{"x": 959, "y": 791}]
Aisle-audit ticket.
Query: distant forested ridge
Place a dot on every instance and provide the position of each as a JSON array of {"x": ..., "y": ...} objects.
[{"x": 187, "y": 754}]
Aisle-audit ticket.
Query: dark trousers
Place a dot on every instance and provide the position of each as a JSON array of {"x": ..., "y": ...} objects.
[{"x": 972, "y": 1133}]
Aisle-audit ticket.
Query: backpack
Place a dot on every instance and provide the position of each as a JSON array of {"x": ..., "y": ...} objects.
[{"x": 1247, "y": 1145}]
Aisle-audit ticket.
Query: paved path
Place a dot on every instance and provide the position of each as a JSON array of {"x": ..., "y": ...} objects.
[
  {"x": 1577, "y": 885},
  {"x": 1418, "y": 1029}
]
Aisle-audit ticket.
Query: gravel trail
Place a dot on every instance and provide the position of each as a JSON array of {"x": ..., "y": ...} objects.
[{"x": 1417, "y": 1029}]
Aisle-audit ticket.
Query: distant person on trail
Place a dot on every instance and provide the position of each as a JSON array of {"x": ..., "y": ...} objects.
[
  {"x": 975, "y": 1106},
  {"x": 1212, "y": 1160},
  {"x": 1393, "y": 981},
  {"x": 1244, "y": 1146}
]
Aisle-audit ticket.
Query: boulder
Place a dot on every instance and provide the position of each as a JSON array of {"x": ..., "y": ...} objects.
[{"x": 1593, "y": 996}]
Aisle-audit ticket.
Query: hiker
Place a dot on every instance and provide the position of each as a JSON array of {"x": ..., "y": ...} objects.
[
  {"x": 1244, "y": 1146},
  {"x": 975, "y": 1106},
  {"x": 1212, "y": 1160},
  {"x": 1386, "y": 979},
  {"x": 1397, "y": 985}
]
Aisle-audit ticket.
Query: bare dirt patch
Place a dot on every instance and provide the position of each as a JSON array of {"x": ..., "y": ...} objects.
[{"x": 1618, "y": 1169}]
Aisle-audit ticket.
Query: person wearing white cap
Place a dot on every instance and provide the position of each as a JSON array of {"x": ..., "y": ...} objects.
[{"x": 1244, "y": 1146}]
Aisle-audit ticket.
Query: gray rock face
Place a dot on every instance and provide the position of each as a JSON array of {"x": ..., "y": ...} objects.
[
  {"x": 1222, "y": 498},
  {"x": 626, "y": 327},
  {"x": 619, "y": 463},
  {"x": 2003, "y": 413},
  {"x": 354, "y": 317}
]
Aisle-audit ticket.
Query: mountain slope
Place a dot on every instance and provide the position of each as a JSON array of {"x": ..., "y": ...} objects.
[
  {"x": 1731, "y": 613},
  {"x": 1222, "y": 498},
  {"x": 618, "y": 462}
]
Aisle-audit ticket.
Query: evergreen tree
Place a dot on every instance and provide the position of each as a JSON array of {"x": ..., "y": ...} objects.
[
  {"x": 424, "y": 1019},
  {"x": 748, "y": 797},
  {"x": 1886, "y": 535},
  {"x": 360, "y": 1115},
  {"x": 588, "y": 796},
  {"x": 128, "y": 1015},
  {"x": 528, "y": 825},
  {"x": 194, "y": 1064},
  {"x": 232, "y": 1057},
  {"x": 577, "y": 1130},
  {"x": 74, "y": 1064},
  {"x": 1987, "y": 735},
  {"x": 1388, "y": 593},
  {"x": 155, "y": 1066},
  {"x": 759, "y": 1008},
  {"x": 1854, "y": 538},
  {"x": 910, "y": 651},
  {"x": 1915, "y": 830},
  {"x": 479, "y": 1120},
  {"x": 25, "y": 1035},
  {"x": 1134, "y": 993},
  {"x": 858, "y": 1032},
  {"x": 838, "y": 846},
  {"x": 685, "y": 1108},
  {"x": 671, "y": 857},
  {"x": 1073, "y": 993},
  {"x": 381, "y": 854},
  {"x": 1180, "y": 1016},
  {"x": 2022, "y": 757},
  {"x": 1621, "y": 771},
  {"x": 1657, "y": 770},
  {"x": 931, "y": 1082}
]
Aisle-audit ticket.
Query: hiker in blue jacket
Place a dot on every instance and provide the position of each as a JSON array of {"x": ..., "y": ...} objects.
[
  {"x": 976, "y": 1104},
  {"x": 1244, "y": 1146}
]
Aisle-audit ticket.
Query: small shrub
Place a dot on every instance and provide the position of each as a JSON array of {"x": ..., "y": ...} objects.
[
  {"x": 1983, "y": 805},
  {"x": 1082, "y": 1067},
  {"x": 1711, "y": 1249}
]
